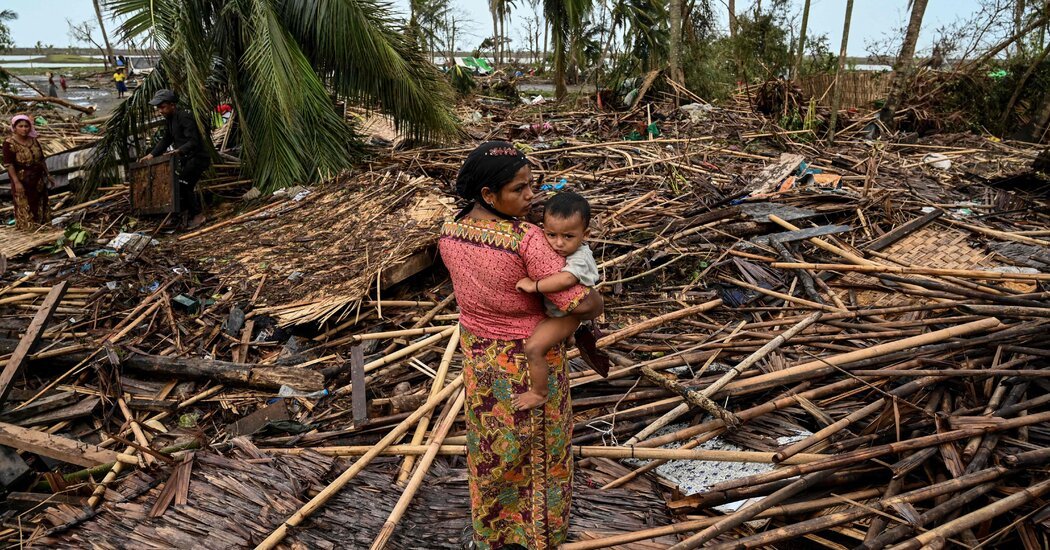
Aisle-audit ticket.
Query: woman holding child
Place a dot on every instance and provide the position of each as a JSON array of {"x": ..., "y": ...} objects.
[{"x": 518, "y": 432}]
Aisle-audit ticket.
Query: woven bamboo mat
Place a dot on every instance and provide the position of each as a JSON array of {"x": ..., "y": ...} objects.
[
  {"x": 931, "y": 246},
  {"x": 14, "y": 242}
]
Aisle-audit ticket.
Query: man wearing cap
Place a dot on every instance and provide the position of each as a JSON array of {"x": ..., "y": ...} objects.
[{"x": 183, "y": 135}]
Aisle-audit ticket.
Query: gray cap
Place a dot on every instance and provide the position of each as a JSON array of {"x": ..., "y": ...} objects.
[{"x": 163, "y": 96}]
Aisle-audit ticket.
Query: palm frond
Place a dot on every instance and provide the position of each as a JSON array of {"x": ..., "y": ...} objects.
[
  {"x": 278, "y": 62},
  {"x": 357, "y": 47}
]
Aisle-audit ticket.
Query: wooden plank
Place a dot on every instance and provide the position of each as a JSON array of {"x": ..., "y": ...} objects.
[
  {"x": 84, "y": 408},
  {"x": 30, "y": 500},
  {"x": 278, "y": 410},
  {"x": 55, "y": 446},
  {"x": 408, "y": 267},
  {"x": 903, "y": 230},
  {"x": 802, "y": 234},
  {"x": 771, "y": 176},
  {"x": 357, "y": 380},
  {"x": 39, "y": 406},
  {"x": 32, "y": 336}
]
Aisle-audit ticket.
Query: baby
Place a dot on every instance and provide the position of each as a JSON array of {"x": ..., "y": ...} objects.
[{"x": 566, "y": 223}]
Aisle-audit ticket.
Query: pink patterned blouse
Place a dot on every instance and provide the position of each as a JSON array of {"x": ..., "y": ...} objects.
[{"x": 486, "y": 259}]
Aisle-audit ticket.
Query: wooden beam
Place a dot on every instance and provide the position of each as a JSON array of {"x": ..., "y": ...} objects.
[
  {"x": 31, "y": 338},
  {"x": 901, "y": 231},
  {"x": 57, "y": 447},
  {"x": 357, "y": 380}
]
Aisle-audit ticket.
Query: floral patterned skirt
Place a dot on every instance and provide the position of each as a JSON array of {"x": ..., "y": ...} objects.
[
  {"x": 520, "y": 463},
  {"x": 31, "y": 207}
]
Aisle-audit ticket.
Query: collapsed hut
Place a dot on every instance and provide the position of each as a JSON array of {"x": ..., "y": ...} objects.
[{"x": 814, "y": 347}]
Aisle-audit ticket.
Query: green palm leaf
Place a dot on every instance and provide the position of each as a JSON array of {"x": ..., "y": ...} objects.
[{"x": 279, "y": 63}]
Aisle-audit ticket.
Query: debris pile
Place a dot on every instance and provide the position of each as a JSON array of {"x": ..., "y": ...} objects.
[{"x": 845, "y": 345}]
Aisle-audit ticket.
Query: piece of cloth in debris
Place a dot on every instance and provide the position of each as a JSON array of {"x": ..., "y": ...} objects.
[
  {"x": 519, "y": 461},
  {"x": 30, "y": 198}
]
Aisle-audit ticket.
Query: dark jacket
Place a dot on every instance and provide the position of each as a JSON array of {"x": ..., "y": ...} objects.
[{"x": 182, "y": 133}]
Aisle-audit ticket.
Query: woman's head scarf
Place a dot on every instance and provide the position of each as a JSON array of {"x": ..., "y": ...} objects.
[
  {"x": 32, "y": 127},
  {"x": 492, "y": 164}
]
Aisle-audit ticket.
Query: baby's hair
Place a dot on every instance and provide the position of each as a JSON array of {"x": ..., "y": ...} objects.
[{"x": 564, "y": 205}]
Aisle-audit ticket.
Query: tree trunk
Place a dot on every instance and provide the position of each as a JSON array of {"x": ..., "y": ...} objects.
[
  {"x": 1040, "y": 120},
  {"x": 732, "y": 18},
  {"x": 1018, "y": 23},
  {"x": 801, "y": 42},
  {"x": 559, "y": 65},
  {"x": 676, "y": 41},
  {"x": 1019, "y": 88},
  {"x": 105, "y": 37},
  {"x": 495, "y": 31},
  {"x": 503, "y": 34},
  {"x": 902, "y": 68},
  {"x": 608, "y": 44},
  {"x": 543, "y": 61},
  {"x": 836, "y": 99}
]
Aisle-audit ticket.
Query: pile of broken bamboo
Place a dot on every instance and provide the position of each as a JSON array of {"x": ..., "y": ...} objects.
[{"x": 857, "y": 360}]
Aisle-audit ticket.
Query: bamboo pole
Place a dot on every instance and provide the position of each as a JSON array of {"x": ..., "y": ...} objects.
[
  {"x": 999, "y": 234},
  {"x": 780, "y": 295},
  {"x": 439, "y": 380},
  {"x": 140, "y": 437},
  {"x": 694, "y": 398},
  {"x": 403, "y": 352},
  {"x": 429, "y": 316},
  {"x": 823, "y": 365},
  {"x": 673, "y": 414},
  {"x": 859, "y": 414},
  {"x": 995, "y": 509},
  {"x": 749, "y": 511},
  {"x": 964, "y": 273},
  {"x": 421, "y": 471},
  {"x": 579, "y": 451},
  {"x": 761, "y": 353},
  {"x": 862, "y": 455},
  {"x": 795, "y": 531},
  {"x": 648, "y": 324},
  {"x": 387, "y": 334},
  {"x": 231, "y": 221},
  {"x": 927, "y": 492},
  {"x": 318, "y": 501},
  {"x": 100, "y": 489},
  {"x": 935, "y": 514}
]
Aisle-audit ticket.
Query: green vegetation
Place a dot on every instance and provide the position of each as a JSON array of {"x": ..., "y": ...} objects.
[{"x": 278, "y": 63}]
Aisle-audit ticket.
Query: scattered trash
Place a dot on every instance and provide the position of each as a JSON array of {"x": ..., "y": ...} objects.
[
  {"x": 937, "y": 161},
  {"x": 186, "y": 304},
  {"x": 287, "y": 391},
  {"x": 131, "y": 243}
]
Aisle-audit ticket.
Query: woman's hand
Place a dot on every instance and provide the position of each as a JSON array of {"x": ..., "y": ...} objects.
[
  {"x": 16, "y": 185},
  {"x": 526, "y": 285}
]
